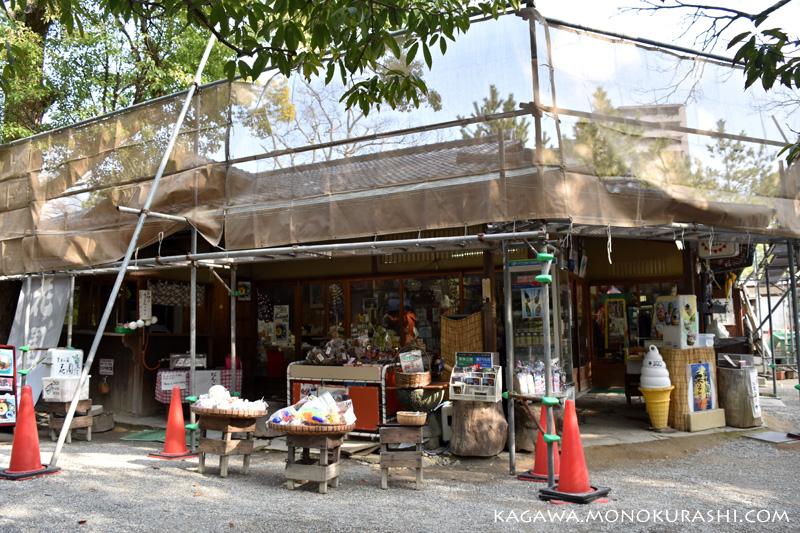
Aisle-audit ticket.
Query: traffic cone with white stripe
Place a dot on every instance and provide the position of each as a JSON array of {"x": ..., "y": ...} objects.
[{"x": 573, "y": 483}]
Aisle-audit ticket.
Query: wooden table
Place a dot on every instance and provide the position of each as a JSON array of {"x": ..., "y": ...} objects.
[
  {"x": 228, "y": 422},
  {"x": 407, "y": 458},
  {"x": 323, "y": 470},
  {"x": 81, "y": 419}
]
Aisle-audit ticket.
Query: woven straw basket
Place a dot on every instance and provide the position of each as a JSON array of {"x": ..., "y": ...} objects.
[
  {"x": 412, "y": 380},
  {"x": 411, "y": 418}
]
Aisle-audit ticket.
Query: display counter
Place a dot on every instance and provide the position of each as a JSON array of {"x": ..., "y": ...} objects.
[
  {"x": 367, "y": 386},
  {"x": 167, "y": 379}
]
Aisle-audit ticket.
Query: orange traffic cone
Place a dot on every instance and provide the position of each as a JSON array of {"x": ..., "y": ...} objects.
[
  {"x": 573, "y": 484},
  {"x": 175, "y": 441},
  {"x": 539, "y": 472},
  {"x": 26, "y": 460}
]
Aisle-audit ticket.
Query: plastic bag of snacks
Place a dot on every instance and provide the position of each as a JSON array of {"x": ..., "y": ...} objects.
[
  {"x": 312, "y": 410},
  {"x": 218, "y": 397}
]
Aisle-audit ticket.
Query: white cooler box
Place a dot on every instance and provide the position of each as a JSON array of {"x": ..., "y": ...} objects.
[{"x": 62, "y": 389}]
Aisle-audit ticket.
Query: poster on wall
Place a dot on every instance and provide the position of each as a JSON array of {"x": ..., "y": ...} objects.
[
  {"x": 702, "y": 392},
  {"x": 531, "y": 302}
]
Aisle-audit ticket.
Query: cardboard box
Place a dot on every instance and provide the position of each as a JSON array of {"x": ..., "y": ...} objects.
[
  {"x": 700, "y": 420},
  {"x": 63, "y": 389}
]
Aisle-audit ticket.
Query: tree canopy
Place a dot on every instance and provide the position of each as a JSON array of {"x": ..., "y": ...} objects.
[
  {"x": 769, "y": 54},
  {"x": 348, "y": 38}
]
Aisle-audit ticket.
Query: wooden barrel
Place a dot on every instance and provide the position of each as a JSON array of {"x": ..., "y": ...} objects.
[{"x": 738, "y": 395}]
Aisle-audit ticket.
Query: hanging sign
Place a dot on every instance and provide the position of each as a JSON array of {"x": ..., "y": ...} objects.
[
  {"x": 145, "y": 304},
  {"x": 717, "y": 249}
]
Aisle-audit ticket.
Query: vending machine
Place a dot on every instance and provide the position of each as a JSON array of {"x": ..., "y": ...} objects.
[{"x": 8, "y": 386}]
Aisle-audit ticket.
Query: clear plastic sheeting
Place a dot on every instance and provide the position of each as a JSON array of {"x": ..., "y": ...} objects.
[{"x": 573, "y": 126}]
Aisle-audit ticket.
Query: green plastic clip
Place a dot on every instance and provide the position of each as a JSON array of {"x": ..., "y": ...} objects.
[
  {"x": 797, "y": 386},
  {"x": 549, "y": 400},
  {"x": 772, "y": 365},
  {"x": 544, "y": 278},
  {"x": 24, "y": 348},
  {"x": 236, "y": 393},
  {"x": 505, "y": 394},
  {"x": 24, "y": 371},
  {"x": 192, "y": 427},
  {"x": 548, "y": 439},
  {"x": 191, "y": 399},
  {"x": 545, "y": 257}
]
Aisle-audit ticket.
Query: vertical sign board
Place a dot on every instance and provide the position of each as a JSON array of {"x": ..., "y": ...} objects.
[
  {"x": 145, "y": 304},
  {"x": 8, "y": 381}
]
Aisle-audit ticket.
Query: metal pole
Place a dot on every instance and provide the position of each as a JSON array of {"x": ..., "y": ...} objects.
[
  {"x": 509, "y": 331},
  {"x": 793, "y": 284},
  {"x": 233, "y": 327},
  {"x": 771, "y": 331},
  {"x": 317, "y": 249},
  {"x": 131, "y": 247},
  {"x": 27, "y": 329},
  {"x": 71, "y": 310},
  {"x": 193, "y": 335},
  {"x": 548, "y": 371}
]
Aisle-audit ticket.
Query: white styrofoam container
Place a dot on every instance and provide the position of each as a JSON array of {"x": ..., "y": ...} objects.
[
  {"x": 64, "y": 362},
  {"x": 62, "y": 389},
  {"x": 447, "y": 421},
  {"x": 705, "y": 340}
]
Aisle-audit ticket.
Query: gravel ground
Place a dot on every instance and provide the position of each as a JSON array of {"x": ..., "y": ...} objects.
[{"x": 109, "y": 485}]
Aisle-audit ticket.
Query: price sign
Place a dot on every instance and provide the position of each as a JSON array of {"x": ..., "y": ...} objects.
[
  {"x": 171, "y": 379},
  {"x": 106, "y": 367}
]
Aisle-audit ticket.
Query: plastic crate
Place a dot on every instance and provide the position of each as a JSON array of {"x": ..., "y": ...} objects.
[
  {"x": 62, "y": 389},
  {"x": 484, "y": 385}
]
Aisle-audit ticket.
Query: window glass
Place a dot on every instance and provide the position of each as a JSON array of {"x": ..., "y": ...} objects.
[{"x": 370, "y": 305}]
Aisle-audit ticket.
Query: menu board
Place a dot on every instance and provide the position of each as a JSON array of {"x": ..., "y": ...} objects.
[{"x": 8, "y": 396}]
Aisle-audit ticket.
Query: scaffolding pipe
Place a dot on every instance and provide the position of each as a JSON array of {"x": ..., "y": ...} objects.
[
  {"x": 193, "y": 337},
  {"x": 509, "y": 331},
  {"x": 295, "y": 250},
  {"x": 771, "y": 330},
  {"x": 793, "y": 284},
  {"x": 233, "y": 297},
  {"x": 131, "y": 247},
  {"x": 71, "y": 310},
  {"x": 26, "y": 333}
]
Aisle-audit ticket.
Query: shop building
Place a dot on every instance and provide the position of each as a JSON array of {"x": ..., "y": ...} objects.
[{"x": 254, "y": 257}]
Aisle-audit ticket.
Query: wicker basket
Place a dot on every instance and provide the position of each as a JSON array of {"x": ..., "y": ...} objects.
[
  {"x": 230, "y": 413},
  {"x": 411, "y": 418},
  {"x": 312, "y": 429},
  {"x": 412, "y": 380}
]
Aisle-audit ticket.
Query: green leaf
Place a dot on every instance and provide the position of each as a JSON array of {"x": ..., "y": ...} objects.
[
  {"x": 427, "y": 53},
  {"x": 330, "y": 72},
  {"x": 412, "y": 53},
  {"x": 737, "y": 39}
]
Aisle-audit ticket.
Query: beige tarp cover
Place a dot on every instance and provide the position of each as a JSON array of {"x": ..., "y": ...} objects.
[{"x": 251, "y": 170}]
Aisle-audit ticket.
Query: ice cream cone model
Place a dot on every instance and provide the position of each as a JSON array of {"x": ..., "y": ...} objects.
[{"x": 656, "y": 387}]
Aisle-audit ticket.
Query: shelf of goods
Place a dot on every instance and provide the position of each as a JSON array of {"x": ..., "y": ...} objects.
[{"x": 367, "y": 386}]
